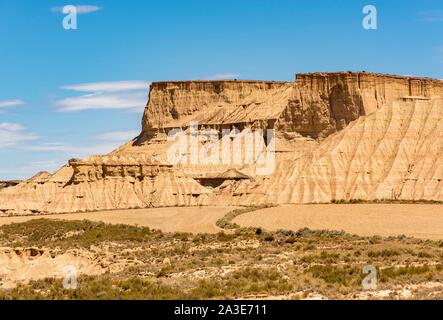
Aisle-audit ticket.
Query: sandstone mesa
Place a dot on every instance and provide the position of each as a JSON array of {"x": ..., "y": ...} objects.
[{"x": 340, "y": 135}]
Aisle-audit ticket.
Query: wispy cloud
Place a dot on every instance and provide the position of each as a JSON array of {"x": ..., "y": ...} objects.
[
  {"x": 12, "y": 134},
  {"x": 109, "y": 86},
  {"x": 223, "y": 76},
  {"x": 73, "y": 151},
  {"x": 57, "y": 153},
  {"x": 29, "y": 169},
  {"x": 15, "y": 137},
  {"x": 8, "y": 126},
  {"x": 103, "y": 101},
  {"x": 432, "y": 16},
  {"x": 106, "y": 95},
  {"x": 104, "y": 143},
  {"x": 118, "y": 136},
  {"x": 81, "y": 9},
  {"x": 11, "y": 103}
]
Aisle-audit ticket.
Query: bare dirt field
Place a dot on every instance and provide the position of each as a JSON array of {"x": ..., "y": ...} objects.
[
  {"x": 415, "y": 220},
  {"x": 423, "y": 221},
  {"x": 178, "y": 219}
]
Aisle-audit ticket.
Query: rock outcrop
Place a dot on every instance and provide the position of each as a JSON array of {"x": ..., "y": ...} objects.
[
  {"x": 333, "y": 136},
  {"x": 9, "y": 183}
]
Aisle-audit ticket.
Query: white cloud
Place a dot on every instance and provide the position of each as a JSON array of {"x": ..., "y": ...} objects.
[
  {"x": 432, "y": 16},
  {"x": 29, "y": 169},
  {"x": 82, "y": 9},
  {"x": 61, "y": 151},
  {"x": 121, "y": 136},
  {"x": 73, "y": 151},
  {"x": 49, "y": 147},
  {"x": 8, "y": 126},
  {"x": 11, "y": 103},
  {"x": 12, "y": 134},
  {"x": 103, "y": 101},
  {"x": 44, "y": 165},
  {"x": 109, "y": 86},
  {"x": 106, "y": 95},
  {"x": 223, "y": 76}
]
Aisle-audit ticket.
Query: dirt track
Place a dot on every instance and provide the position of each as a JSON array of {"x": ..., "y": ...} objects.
[{"x": 416, "y": 220}]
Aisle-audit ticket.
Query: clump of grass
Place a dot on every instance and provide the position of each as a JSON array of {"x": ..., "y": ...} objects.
[
  {"x": 255, "y": 280},
  {"x": 308, "y": 233},
  {"x": 223, "y": 237},
  {"x": 385, "y": 253},
  {"x": 351, "y": 201},
  {"x": 324, "y": 257},
  {"x": 406, "y": 271},
  {"x": 423, "y": 254},
  {"x": 345, "y": 276}
]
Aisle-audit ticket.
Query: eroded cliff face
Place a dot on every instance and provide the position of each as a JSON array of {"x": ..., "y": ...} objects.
[
  {"x": 337, "y": 136},
  {"x": 393, "y": 153},
  {"x": 218, "y": 104},
  {"x": 315, "y": 105},
  {"x": 323, "y": 103}
]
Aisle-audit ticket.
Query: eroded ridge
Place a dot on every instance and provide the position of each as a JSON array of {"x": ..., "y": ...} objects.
[{"x": 336, "y": 136}]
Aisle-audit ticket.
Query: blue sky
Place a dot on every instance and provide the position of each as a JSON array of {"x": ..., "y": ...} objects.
[{"x": 72, "y": 93}]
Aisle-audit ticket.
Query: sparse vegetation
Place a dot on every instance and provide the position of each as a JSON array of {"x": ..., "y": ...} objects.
[
  {"x": 248, "y": 262},
  {"x": 338, "y": 275},
  {"x": 385, "y": 201},
  {"x": 383, "y": 253},
  {"x": 71, "y": 234}
]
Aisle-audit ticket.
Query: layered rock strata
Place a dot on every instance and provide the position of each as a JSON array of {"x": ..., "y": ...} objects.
[{"x": 333, "y": 136}]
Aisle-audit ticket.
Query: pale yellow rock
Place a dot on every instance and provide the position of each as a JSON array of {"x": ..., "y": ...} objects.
[{"x": 337, "y": 136}]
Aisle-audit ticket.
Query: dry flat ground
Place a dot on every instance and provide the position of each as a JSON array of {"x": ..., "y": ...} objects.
[
  {"x": 423, "y": 221},
  {"x": 176, "y": 219}
]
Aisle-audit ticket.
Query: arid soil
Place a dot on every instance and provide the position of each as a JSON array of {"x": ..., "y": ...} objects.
[
  {"x": 175, "y": 219},
  {"x": 414, "y": 220},
  {"x": 423, "y": 221}
]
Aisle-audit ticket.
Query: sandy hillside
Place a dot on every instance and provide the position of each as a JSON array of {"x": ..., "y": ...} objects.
[{"x": 415, "y": 220}]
